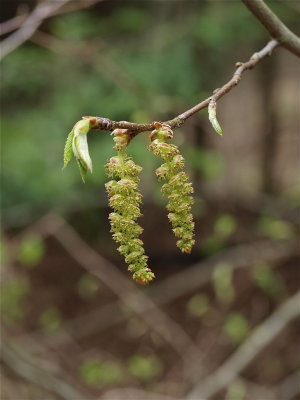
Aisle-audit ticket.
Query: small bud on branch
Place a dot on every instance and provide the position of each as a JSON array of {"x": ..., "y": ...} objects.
[
  {"x": 77, "y": 145},
  {"x": 212, "y": 116}
]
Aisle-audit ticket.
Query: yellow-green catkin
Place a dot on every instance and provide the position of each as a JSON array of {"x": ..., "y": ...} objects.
[
  {"x": 178, "y": 189},
  {"x": 125, "y": 199}
]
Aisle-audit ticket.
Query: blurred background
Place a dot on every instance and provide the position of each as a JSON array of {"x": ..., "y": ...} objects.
[{"x": 220, "y": 323}]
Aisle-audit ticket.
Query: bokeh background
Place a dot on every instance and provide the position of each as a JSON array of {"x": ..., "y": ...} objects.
[{"x": 73, "y": 325}]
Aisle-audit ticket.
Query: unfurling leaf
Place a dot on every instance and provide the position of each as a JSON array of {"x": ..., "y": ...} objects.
[
  {"x": 80, "y": 147},
  {"x": 82, "y": 171},
  {"x": 68, "y": 152}
]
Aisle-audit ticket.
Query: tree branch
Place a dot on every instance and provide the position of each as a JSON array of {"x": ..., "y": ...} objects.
[
  {"x": 126, "y": 291},
  {"x": 277, "y": 29},
  {"x": 289, "y": 387},
  {"x": 42, "y": 11},
  {"x": 134, "y": 298},
  {"x": 12, "y": 24},
  {"x": 178, "y": 285},
  {"x": 258, "y": 339},
  {"x": 106, "y": 124},
  {"x": 15, "y": 22},
  {"x": 34, "y": 371},
  {"x": 128, "y": 393}
]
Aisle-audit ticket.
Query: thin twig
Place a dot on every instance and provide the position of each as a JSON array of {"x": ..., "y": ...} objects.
[
  {"x": 258, "y": 340},
  {"x": 258, "y": 391},
  {"x": 289, "y": 387},
  {"x": 42, "y": 11},
  {"x": 130, "y": 295},
  {"x": 174, "y": 287},
  {"x": 12, "y": 24},
  {"x": 128, "y": 393},
  {"x": 106, "y": 124},
  {"x": 34, "y": 371},
  {"x": 125, "y": 290},
  {"x": 15, "y": 22},
  {"x": 277, "y": 29}
]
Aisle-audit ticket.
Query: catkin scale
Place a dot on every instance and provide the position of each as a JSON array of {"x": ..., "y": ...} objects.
[
  {"x": 178, "y": 189},
  {"x": 124, "y": 199}
]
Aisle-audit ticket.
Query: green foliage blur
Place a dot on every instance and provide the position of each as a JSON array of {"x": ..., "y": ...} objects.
[
  {"x": 236, "y": 327},
  {"x": 95, "y": 373},
  {"x": 133, "y": 61},
  {"x": 222, "y": 282},
  {"x": 13, "y": 294},
  {"x": 145, "y": 367},
  {"x": 268, "y": 281},
  {"x": 50, "y": 319},
  {"x": 198, "y": 305},
  {"x": 31, "y": 251}
]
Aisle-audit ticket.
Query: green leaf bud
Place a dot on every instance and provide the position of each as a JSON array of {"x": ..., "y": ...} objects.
[
  {"x": 80, "y": 147},
  {"x": 212, "y": 116}
]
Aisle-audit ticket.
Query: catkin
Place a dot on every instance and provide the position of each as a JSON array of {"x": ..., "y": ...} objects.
[
  {"x": 177, "y": 188},
  {"x": 124, "y": 199}
]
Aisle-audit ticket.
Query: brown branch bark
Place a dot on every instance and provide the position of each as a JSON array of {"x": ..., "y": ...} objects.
[
  {"x": 12, "y": 24},
  {"x": 106, "y": 124},
  {"x": 274, "y": 25}
]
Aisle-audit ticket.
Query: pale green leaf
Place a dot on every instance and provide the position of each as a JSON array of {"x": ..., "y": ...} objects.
[
  {"x": 68, "y": 152},
  {"x": 216, "y": 126},
  {"x": 82, "y": 170}
]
